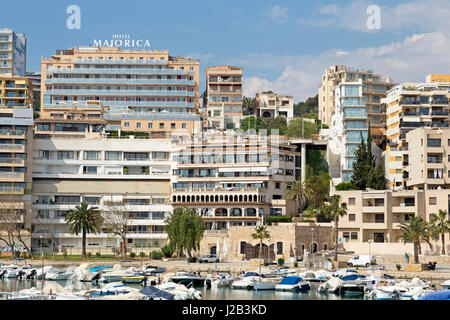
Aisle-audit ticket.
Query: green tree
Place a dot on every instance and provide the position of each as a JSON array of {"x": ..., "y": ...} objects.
[
  {"x": 298, "y": 191},
  {"x": 440, "y": 225},
  {"x": 294, "y": 129},
  {"x": 85, "y": 220},
  {"x": 248, "y": 105},
  {"x": 185, "y": 230},
  {"x": 333, "y": 210},
  {"x": 416, "y": 230},
  {"x": 319, "y": 186},
  {"x": 261, "y": 233}
]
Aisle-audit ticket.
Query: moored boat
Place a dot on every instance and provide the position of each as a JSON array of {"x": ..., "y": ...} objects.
[{"x": 292, "y": 283}]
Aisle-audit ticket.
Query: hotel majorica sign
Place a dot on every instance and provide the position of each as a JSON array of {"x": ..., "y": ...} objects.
[{"x": 122, "y": 41}]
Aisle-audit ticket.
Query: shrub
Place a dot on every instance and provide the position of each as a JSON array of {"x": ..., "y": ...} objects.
[
  {"x": 132, "y": 254},
  {"x": 280, "y": 261},
  {"x": 192, "y": 259},
  {"x": 17, "y": 254},
  {"x": 89, "y": 254},
  {"x": 398, "y": 267},
  {"x": 157, "y": 255},
  {"x": 142, "y": 254},
  {"x": 167, "y": 251},
  {"x": 373, "y": 263},
  {"x": 98, "y": 255},
  {"x": 307, "y": 220},
  {"x": 65, "y": 254},
  {"x": 295, "y": 264},
  {"x": 345, "y": 186},
  {"x": 270, "y": 219}
]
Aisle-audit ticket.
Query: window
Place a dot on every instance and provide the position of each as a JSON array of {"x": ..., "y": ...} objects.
[
  {"x": 346, "y": 235},
  {"x": 379, "y": 218},
  {"x": 277, "y": 185},
  {"x": 138, "y": 124},
  {"x": 354, "y": 235},
  {"x": 242, "y": 251},
  {"x": 161, "y": 125},
  {"x": 172, "y": 125},
  {"x": 279, "y": 247},
  {"x": 352, "y": 217},
  {"x": 433, "y": 142},
  {"x": 160, "y": 155},
  {"x": 112, "y": 155},
  {"x": 432, "y": 200},
  {"x": 126, "y": 124},
  {"x": 150, "y": 125},
  {"x": 183, "y": 125},
  {"x": 65, "y": 155},
  {"x": 91, "y": 155},
  {"x": 351, "y": 201}
]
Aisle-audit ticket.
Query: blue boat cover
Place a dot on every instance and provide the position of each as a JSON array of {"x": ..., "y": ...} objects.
[
  {"x": 352, "y": 277},
  {"x": 152, "y": 291},
  {"x": 291, "y": 280},
  {"x": 440, "y": 295},
  {"x": 95, "y": 269}
]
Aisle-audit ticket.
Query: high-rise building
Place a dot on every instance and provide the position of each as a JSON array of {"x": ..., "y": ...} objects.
[
  {"x": 272, "y": 105},
  {"x": 223, "y": 97},
  {"x": 16, "y": 141},
  {"x": 410, "y": 106},
  {"x": 13, "y": 53},
  {"x": 374, "y": 89},
  {"x": 130, "y": 85}
]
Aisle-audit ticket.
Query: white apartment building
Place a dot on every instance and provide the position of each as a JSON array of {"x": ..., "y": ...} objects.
[
  {"x": 129, "y": 176},
  {"x": 13, "y": 53},
  {"x": 272, "y": 105}
]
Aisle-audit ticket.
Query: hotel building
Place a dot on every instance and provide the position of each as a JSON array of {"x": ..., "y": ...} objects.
[
  {"x": 122, "y": 177},
  {"x": 16, "y": 141},
  {"x": 272, "y": 105},
  {"x": 410, "y": 106},
  {"x": 223, "y": 97},
  {"x": 13, "y": 53},
  {"x": 233, "y": 180},
  {"x": 130, "y": 85},
  {"x": 374, "y": 89}
]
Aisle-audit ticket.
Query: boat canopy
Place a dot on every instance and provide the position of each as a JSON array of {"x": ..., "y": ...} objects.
[
  {"x": 352, "y": 277},
  {"x": 251, "y": 274},
  {"x": 440, "y": 295},
  {"x": 152, "y": 291},
  {"x": 291, "y": 280},
  {"x": 99, "y": 268}
]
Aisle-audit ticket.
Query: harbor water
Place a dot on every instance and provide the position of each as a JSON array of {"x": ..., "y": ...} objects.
[{"x": 8, "y": 285}]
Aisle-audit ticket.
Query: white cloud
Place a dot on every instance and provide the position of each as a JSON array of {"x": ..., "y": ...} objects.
[
  {"x": 407, "y": 60},
  {"x": 425, "y": 15},
  {"x": 278, "y": 14}
]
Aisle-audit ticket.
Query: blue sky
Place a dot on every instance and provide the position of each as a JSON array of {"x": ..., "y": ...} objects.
[{"x": 282, "y": 45}]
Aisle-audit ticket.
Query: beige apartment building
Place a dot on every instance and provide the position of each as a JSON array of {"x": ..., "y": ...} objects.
[
  {"x": 16, "y": 142},
  {"x": 376, "y": 215},
  {"x": 223, "y": 97},
  {"x": 233, "y": 180},
  {"x": 374, "y": 89},
  {"x": 410, "y": 106},
  {"x": 272, "y": 105}
]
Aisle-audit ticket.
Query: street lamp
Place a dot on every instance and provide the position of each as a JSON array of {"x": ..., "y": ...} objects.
[{"x": 312, "y": 241}]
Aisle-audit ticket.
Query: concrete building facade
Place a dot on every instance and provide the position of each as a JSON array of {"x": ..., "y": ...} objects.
[
  {"x": 13, "y": 53},
  {"x": 272, "y": 105}
]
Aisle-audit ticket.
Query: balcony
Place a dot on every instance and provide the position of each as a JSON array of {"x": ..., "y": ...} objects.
[
  {"x": 404, "y": 208},
  {"x": 14, "y": 134},
  {"x": 11, "y": 190},
  {"x": 120, "y": 81},
  {"x": 93, "y": 92},
  {"x": 54, "y": 70},
  {"x": 8, "y": 162}
]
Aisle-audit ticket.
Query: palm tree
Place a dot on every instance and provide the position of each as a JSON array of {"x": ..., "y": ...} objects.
[
  {"x": 333, "y": 210},
  {"x": 415, "y": 229},
  {"x": 300, "y": 192},
  {"x": 85, "y": 220},
  {"x": 261, "y": 233},
  {"x": 441, "y": 225}
]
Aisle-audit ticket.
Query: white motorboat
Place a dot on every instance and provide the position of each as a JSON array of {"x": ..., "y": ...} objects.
[
  {"x": 247, "y": 281},
  {"x": 331, "y": 286},
  {"x": 352, "y": 289},
  {"x": 218, "y": 280},
  {"x": 264, "y": 285},
  {"x": 118, "y": 275},
  {"x": 445, "y": 285},
  {"x": 82, "y": 273},
  {"x": 113, "y": 288},
  {"x": 180, "y": 291},
  {"x": 44, "y": 270},
  {"x": 293, "y": 283},
  {"x": 60, "y": 275}
]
